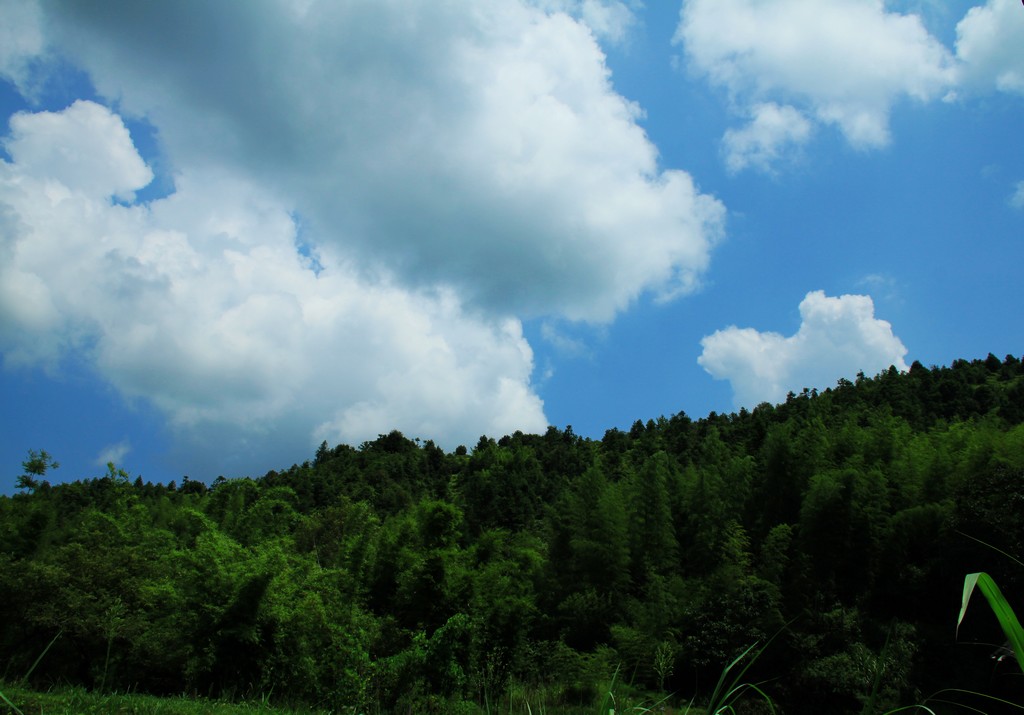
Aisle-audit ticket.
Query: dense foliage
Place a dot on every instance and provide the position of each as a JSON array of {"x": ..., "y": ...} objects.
[{"x": 398, "y": 577}]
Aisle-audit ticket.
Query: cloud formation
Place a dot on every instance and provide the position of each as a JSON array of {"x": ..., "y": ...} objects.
[
  {"x": 202, "y": 304},
  {"x": 85, "y": 149},
  {"x": 609, "y": 20},
  {"x": 447, "y": 169},
  {"x": 772, "y": 131},
  {"x": 113, "y": 454},
  {"x": 848, "y": 61},
  {"x": 838, "y": 337},
  {"x": 21, "y": 40},
  {"x": 479, "y": 145},
  {"x": 988, "y": 47},
  {"x": 840, "y": 62},
  {"x": 1017, "y": 198}
]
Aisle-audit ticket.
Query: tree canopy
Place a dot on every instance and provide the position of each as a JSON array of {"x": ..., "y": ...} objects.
[{"x": 838, "y": 525}]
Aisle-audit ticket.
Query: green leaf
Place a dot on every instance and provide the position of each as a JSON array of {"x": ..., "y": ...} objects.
[{"x": 1004, "y": 613}]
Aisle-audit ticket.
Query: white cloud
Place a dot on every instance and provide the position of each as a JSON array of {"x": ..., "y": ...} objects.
[
  {"x": 838, "y": 337},
  {"x": 772, "y": 131},
  {"x": 456, "y": 167},
  {"x": 202, "y": 305},
  {"x": 609, "y": 20},
  {"x": 988, "y": 47},
  {"x": 1017, "y": 199},
  {"x": 477, "y": 144},
  {"x": 85, "y": 149},
  {"x": 879, "y": 284},
  {"x": 21, "y": 42},
  {"x": 843, "y": 62},
  {"x": 561, "y": 338},
  {"x": 114, "y": 453}
]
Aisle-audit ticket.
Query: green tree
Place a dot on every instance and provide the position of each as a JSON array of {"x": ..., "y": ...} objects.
[
  {"x": 653, "y": 547},
  {"x": 842, "y": 523},
  {"x": 36, "y": 467}
]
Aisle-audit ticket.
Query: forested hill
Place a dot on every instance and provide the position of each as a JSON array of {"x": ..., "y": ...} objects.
[{"x": 550, "y": 568}]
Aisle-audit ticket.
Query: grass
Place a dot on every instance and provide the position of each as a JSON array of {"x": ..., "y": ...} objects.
[
  {"x": 77, "y": 701},
  {"x": 731, "y": 688}
]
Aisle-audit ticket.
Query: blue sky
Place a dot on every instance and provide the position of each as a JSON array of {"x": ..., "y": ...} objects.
[{"x": 231, "y": 231}]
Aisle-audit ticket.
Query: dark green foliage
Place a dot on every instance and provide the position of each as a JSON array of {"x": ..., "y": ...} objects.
[{"x": 395, "y": 577}]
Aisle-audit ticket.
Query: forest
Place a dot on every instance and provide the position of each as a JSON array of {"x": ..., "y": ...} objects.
[{"x": 826, "y": 538}]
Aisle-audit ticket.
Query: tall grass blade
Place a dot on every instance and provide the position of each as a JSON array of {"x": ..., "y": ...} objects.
[
  {"x": 728, "y": 690},
  {"x": 42, "y": 655},
  {"x": 984, "y": 696},
  {"x": 610, "y": 696},
  {"x": 869, "y": 706},
  {"x": 11, "y": 705},
  {"x": 106, "y": 664},
  {"x": 716, "y": 695},
  {"x": 764, "y": 696},
  {"x": 1004, "y": 613},
  {"x": 962, "y": 706},
  {"x": 994, "y": 548}
]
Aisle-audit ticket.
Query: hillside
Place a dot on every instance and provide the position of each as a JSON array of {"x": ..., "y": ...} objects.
[{"x": 396, "y": 577}]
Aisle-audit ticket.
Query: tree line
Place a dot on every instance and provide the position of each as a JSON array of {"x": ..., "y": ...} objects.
[{"x": 836, "y": 526}]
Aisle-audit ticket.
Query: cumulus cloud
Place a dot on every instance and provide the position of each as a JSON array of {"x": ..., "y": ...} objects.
[
  {"x": 842, "y": 62},
  {"x": 477, "y": 144},
  {"x": 988, "y": 47},
  {"x": 772, "y": 131},
  {"x": 455, "y": 167},
  {"x": 201, "y": 304},
  {"x": 84, "y": 149},
  {"x": 838, "y": 337}
]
